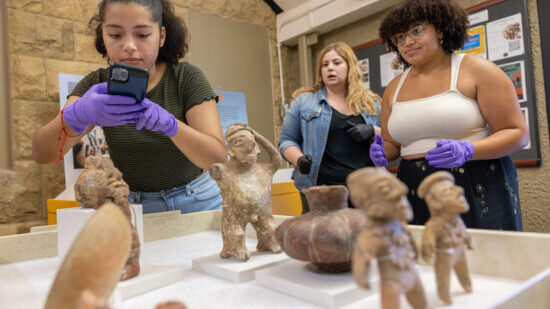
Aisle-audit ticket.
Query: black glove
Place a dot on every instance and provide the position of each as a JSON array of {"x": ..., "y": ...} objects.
[
  {"x": 360, "y": 132},
  {"x": 304, "y": 164}
]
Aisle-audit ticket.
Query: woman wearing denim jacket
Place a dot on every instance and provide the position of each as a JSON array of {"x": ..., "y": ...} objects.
[{"x": 329, "y": 127}]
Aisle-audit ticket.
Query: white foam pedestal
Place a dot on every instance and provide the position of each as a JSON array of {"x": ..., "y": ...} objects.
[
  {"x": 235, "y": 270},
  {"x": 150, "y": 277},
  {"x": 70, "y": 222},
  {"x": 328, "y": 290}
]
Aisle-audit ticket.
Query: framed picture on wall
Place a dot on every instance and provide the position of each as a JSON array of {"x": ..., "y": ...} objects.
[{"x": 516, "y": 72}]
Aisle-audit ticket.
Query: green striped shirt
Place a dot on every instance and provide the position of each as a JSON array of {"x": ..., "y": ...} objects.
[{"x": 148, "y": 160}]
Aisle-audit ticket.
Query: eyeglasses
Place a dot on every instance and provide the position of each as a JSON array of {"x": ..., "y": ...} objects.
[{"x": 414, "y": 33}]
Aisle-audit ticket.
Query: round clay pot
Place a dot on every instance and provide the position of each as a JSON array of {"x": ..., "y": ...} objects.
[{"x": 324, "y": 236}]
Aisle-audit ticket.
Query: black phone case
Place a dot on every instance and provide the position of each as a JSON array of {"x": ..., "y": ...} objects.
[{"x": 133, "y": 83}]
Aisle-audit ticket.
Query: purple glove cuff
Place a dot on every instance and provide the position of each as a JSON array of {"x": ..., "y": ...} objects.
[
  {"x": 71, "y": 119},
  {"x": 172, "y": 128},
  {"x": 469, "y": 153}
]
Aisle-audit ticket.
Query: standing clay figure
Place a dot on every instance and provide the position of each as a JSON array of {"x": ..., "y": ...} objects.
[
  {"x": 102, "y": 182},
  {"x": 445, "y": 232},
  {"x": 383, "y": 197},
  {"x": 92, "y": 266},
  {"x": 246, "y": 191}
]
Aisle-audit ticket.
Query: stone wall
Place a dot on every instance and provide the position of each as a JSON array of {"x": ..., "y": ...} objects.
[
  {"x": 534, "y": 188},
  {"x": 48, "y": 37}
]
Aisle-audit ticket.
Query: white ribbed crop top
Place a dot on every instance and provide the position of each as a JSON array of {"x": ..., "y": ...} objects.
[{"x": 418, "y": 124}]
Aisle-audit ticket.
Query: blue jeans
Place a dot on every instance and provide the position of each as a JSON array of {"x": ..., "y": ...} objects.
[{"x": 200, "y": 194}]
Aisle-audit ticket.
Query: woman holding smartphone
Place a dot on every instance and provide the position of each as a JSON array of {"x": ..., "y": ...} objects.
[{"x": 163, "y": 145}]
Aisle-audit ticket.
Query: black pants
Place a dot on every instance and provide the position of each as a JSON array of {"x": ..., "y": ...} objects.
[{"x": 490, "y": 187}]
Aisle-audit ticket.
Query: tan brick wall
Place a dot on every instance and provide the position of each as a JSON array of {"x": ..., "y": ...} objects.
[
  {"x": 48, "y": 37},
  {"x": 533, "y": 182}
]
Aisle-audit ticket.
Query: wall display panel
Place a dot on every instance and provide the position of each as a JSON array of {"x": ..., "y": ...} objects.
[
  {"x": 544, "y": 22},
  {"x": 499, "y": 31}
]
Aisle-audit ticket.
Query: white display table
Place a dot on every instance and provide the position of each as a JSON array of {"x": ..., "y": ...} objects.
[{"x": 518, "y": 262}]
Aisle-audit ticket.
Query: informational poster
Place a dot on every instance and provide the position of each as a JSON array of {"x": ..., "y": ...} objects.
[
  {"x": 525, "y": 112},
  {"x": 476, "y": 44},
  {"x": 231, "y": 108},
  {"x": 364, "y": 68},
  {"x": 479, "y": 17},
  {"x": 389, "y": 68},
  {"x": 516, "y": 73},
  {"x": 505, "y": 37}
]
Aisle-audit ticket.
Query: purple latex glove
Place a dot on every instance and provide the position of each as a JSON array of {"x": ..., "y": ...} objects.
[
  {"x": 157, "y": 119},
  {"x": 450, "y": 153},
  {"x": 97, "y": 108},
  {"x": 377, "y": 153}
]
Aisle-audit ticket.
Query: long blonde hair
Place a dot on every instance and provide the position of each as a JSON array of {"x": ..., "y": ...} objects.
[{"x": 359, "y": 97}]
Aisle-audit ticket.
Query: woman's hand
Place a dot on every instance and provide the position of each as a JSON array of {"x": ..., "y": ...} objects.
[
  {"x": 156, "y": 118},
  {"x": 377, "y": 153},
  {"x": 450, "y": 153},
  {"x": 97, "y": 108}
]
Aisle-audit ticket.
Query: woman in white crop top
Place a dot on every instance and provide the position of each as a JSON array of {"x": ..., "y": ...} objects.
[{"x": 448, "y": 111}]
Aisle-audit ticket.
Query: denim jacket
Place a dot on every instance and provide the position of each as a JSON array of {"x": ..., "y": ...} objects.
[{"x": 306, "y": 125}]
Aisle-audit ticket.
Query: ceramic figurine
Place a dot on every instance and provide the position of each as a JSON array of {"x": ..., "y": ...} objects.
[
  {"x": 246, "y": 191},
  {"x": 93, "y": 265},
  {"x": 102, "y": 182},
  {"x": 325, "y": 235},
  {"x": 445, "y": 233},
  {"x": 384, "y": 199}
]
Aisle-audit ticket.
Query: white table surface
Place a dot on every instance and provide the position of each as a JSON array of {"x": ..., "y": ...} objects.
[{"x": 26, "y": 284}]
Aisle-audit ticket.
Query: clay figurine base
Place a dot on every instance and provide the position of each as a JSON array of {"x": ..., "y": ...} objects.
[
  {"x": 70, "y": 222},
  {"x": 489, "y": 292},
  {"x": 150, "y": 277},
  {"x": 328, "y": 290},
  {"x": 236, "y": 270}
]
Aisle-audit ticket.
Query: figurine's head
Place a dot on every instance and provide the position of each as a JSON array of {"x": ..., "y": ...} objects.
[
  {"x": 241, "y": 144},
  {"x": 380, "y": 193},
  {"x": 99, "y": 183},
  {"x": 442, "y": 195}
]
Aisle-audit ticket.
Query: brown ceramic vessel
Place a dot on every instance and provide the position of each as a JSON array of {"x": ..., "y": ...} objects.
[{"x": 326, "y": 234}]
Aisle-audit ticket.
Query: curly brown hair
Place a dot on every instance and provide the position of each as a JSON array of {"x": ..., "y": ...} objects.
[
  {"x": 175, "y": 45},
  {"x": 447, "y": 17}
]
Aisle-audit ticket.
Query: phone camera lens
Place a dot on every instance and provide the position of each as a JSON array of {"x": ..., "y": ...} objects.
[{"x": 120, "y": 74}]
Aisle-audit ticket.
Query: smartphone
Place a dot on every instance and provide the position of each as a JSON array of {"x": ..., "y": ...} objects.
[{"x": 127, "y": 80}]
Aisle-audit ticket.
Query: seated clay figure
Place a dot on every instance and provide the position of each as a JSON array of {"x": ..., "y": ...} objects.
[
  {"x": 384, "y": 199},
  {"x": 445, "y": 232},
  {"x": 102, "y": 182},
  {"x": 245, "y": 186}
]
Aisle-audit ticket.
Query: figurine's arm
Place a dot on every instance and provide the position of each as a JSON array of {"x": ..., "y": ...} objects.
[
  {"x": 428, "y": 242},
  {"x": 467, "y": 237},
  {"x": 216, "y": 170},
  {"x": 271, "y": 150},
  {"x": 363, "y": 251},
  {"x": 411, "y": 239}
]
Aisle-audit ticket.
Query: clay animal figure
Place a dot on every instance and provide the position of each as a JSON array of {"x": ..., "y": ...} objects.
[
  {"x": 445, "y": 233},
  {"x": 245, "y": 186},
  {"x": 102, "y": 182},
  {"x": 93, "y": 265},
  {"x": 383, "y": 197}
]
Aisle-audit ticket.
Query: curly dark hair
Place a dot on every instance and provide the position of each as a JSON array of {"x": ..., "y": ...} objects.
[
  {"x": 446, "y": 15},
  {"x": 175, "y": 45}
]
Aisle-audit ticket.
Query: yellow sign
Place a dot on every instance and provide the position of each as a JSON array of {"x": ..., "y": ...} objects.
[{"x": 476, "y": 43}]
